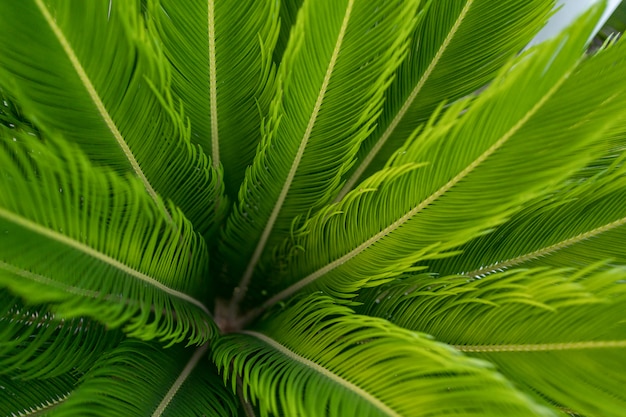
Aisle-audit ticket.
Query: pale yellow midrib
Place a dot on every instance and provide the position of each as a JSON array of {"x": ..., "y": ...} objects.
[
  {"x": 543, "y": 347},
  {"x": 215, "y": 146},
  {"x": 547, "y": 250},
  {"x": 326, "y": 373},
  {"x": 95, "y": 97},
  {"x": 405, "y": 107},
  {"x": 193, "y": 361},
  {"x": 395, "y": 225},
  {"x": 245, "y": 280},
  {"x": 87, "y": 250}
]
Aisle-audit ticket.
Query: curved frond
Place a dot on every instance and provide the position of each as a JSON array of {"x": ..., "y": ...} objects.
[
  {"x": 360, "y": 366},
  {"x": 90, "y": 243},
  {"x": 580, "y": 225},
  {"x": 37, "y": 397},
  {"x": 457, "y": 48},
  {"x": 115, "y": 103},
  {"x": 35, "y": 344},
  {"x": 560, "y": 335},
  {"x": 475, "y": 171},
  {"x": 143, "y": 379},
  {"x": 221, "y": 58},
  {"x": 330, "y": 87}
]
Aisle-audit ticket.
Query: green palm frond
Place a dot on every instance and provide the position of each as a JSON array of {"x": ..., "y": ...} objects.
[
  {"x": 36, "y": 397},
  {"x": 361, "y": 366},
  {"x": 92, "y": 243},
  {"x": 310, "y": 208},
  {"x": 316, "y": 121},
  {"x": 121, "y": 117},
  {"x": 583, "y": 224},
  {"x": 221, "y": 55},
  {"x": 457, "y": 48},
  {"x": 477, "y": 172},
  {"x": 539, "y": 327},
  {"x": 142, "y": 379},
  {"x": 36, "y": 344}
]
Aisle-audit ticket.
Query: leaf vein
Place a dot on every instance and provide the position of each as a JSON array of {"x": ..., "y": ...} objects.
[
  {"x": 405, "y": 106},
  {"x": 325, "y": 372},
  {"x": 543, "y": 347},
  {"x": 95, "y": 97},
  {"x": 28, "y": 224},
  {"x": 215, "y": 147},
  {"x": 191, "y": 365},
  {"x": 245, "y": 280},
  {"x": 546, "y": 250},
  {"x": 414, "y": 211}
]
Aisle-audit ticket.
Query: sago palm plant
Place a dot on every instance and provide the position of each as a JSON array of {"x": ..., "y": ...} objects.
[{"x": 309, "y": 208}]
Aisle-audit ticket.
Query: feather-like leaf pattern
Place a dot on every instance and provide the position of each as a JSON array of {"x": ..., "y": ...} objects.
[
  {"x": 539, "y": 327},
  {"x": 92, "y": 243},
  {"x": 477, "y": 171},
  {"x": 457, "y": 48},
  {"x": 34, "y": 398},
  {"x": 358, "y": 365},
  {"x": 36, "y": 344},
  {"x": 122, "y": 116},
  {"x": 135, "y": 378},
  {"x": 316, "y": 121},
  {"x": 407, "y": 212},
  {"x": 220, "y": 53},
  {"x": 579, "y": 223}
]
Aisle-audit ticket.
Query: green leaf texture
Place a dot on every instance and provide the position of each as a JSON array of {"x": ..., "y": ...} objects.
[
  {"x": 358, "y": 365},
  {"x": 122, "y": 116},
  {"x": 457, "y": 48},
  {"x": 221, "y": 59},
  {"x": 92, "y": 243},
  {"x": 459, "y": 178},
  {"x": 540, "y": 327}
]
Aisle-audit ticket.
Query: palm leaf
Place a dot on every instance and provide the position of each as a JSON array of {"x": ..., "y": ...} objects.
[
  {"x": 457, "y": 48},
  {"x": 114, "y": 104},
  {"x": 479, "y": 171},
  {"x": 580, "y": 225},
  {"x": 142, "y": 379},
  {"x": 358, "y": 365},
  {"x": 33, "y": 398},
  {"x": 221, "y": 53},
  {"x": 316, "y": 121},
  {"x": 93, "y": 244},
  {"x": 35, "y": 343},
  {"x": 540, "y": 327}
]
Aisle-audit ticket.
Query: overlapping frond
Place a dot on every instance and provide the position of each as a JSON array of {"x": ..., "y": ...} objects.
[
  {"x": 34, "y": 398},
  {"x": 221, "y": 58},
  {"x": 580, "y": 225},
  {"x": 457, "y": 48},
  {"x": 288, "y": 10},
  {"x": 317, "y": 119},
  {"x": 136, "y": 378},
  {"x": 558, "y": 334},
  {"x": 479, "y": 168},
  {"x": 360, "y": 366},
  {"x": 581, "y": 222},
  {"x": 36, "y": 344},
  {"x": 92, "y": 74},
  {"x": 94, "y": 244}
]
